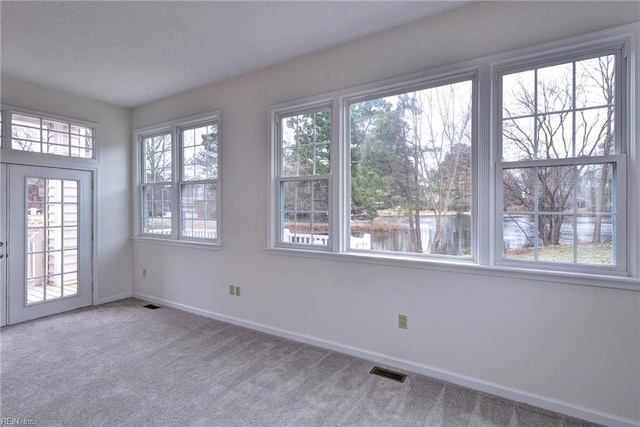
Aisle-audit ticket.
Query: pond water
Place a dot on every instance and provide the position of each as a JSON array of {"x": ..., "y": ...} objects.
[{"x": 457, "y": 234}]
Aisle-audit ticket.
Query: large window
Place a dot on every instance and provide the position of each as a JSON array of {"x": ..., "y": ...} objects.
[
  {"x": 562, "y": 164},
  {"x": 411, "y": 171},
  {"x": 518, "y": 161},
  {"x": 179, "y": 180}
]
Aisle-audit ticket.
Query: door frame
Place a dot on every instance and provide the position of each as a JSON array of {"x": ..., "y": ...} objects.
[
  {"x": 17, "y": 308},
  {"x": 9, "y": 157},
  {"x": 4, "y": 226}
]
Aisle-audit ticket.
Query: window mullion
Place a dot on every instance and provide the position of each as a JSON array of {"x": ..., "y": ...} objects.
[{"x": 176, "y": 175}]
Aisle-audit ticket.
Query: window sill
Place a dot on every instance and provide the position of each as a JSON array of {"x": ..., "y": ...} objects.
[
  {"x": 177, "y": 243},
  {"x": 467, "y": 267}
]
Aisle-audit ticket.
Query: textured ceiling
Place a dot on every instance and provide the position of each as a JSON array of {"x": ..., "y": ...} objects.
[{"x": 133, "y": 52}]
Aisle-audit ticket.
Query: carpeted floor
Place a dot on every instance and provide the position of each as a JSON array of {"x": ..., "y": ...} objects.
[{"x": 124, "y": 365}]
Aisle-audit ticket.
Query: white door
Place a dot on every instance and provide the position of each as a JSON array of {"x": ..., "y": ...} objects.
[{"x": 49, "y": 245}]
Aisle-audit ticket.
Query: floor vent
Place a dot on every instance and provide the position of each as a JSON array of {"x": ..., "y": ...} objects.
[
  {"x": 396, "y": 376},
  {"x": 151, "y": 306}
]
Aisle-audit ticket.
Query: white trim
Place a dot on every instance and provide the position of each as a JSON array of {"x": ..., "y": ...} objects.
[
  {"x": 458, "y": 266},
  {"x": 178, "y": 243},
  {"x": 113, "y": 298},
  {"x": 430, "y": 371},
  {"x": 43, "y": 115},
  {"x": 4, "y": 231}
]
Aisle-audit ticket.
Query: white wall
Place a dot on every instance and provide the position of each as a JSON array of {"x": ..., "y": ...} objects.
[
  {"x": 113, "y": 137},
  {"x": 574, "y": 346}
]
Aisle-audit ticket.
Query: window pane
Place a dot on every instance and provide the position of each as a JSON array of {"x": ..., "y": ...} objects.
[
  {"x": 521, "y": 238},
  {"x": 200, "y": 153},
  {"x": 518, "y": 139},
  {"x": 24, "y": 120},
  {"x": 595, "y": 82},
  {"x": 305, "y": 216},
  {"x": 594, "y": 132},
  {"x": 595, "y": 188},
  {"x": 156, "y": 208},
  {"x": 555, "y": 136},
  {"x": 157, "y": 155},
  {"x": 199, "y": 211},
  {"x": 411, "y": 171},
  {"x": 595, "y": 237},
  {"x": 54, "y": 126},
  {"x": 554, "y": 188},
  {"x": 554, "y": 88},
  {"x": 25, "y": 133},
  {"x": 305, "y": 143},
  {"x": 518, "y": 94}
]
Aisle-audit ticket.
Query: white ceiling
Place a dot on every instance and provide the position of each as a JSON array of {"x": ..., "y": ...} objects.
[{"x": 132, "y": 52}]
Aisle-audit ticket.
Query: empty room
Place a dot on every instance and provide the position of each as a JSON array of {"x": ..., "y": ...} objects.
[{"x": 301, "y": 213}]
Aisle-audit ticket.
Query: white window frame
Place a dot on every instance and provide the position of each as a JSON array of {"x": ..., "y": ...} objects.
[
  {"x": 7, "y": 134},
  {"x": 277, "y": 114},
  {"x": 621, "y": 143},
  {"x": 448, "y": 78},
  {"x": 10, "y": 155},
  {"x": 174, "y": 129},
  {"x": 487, "y": 188}
]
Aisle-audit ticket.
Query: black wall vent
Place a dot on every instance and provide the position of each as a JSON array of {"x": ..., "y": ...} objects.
[
  {"x": 382, "y": 372},
  {"x": 151, "y": 306}
]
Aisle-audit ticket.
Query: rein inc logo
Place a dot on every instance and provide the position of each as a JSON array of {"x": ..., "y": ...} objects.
[{"x": 17, "y": 422}]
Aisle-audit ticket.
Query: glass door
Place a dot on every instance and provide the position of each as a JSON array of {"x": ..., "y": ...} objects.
[{"x": 49, "y": 241}]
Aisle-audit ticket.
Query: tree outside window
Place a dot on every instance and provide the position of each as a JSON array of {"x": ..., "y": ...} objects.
[{"x": 411, "y": 170}]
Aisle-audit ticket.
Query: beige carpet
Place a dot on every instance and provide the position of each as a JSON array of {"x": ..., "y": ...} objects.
[{"x": 124, "y": 365}]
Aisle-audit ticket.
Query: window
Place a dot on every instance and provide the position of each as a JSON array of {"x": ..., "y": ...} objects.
[
  {"x": 199, "y": 182},
  {"x": 411, "y": 171},
  {"x": 179, "y": 180},
  {"x": 517, "y": 161},
  {"x": 43, "y": 135},
  {"x": 304, "y": 144},
  {"x": 562, "y": 163},
  {"x": 157, "y": 188}
]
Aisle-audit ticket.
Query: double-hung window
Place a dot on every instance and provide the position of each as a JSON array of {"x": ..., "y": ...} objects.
[
  {"x": 157, "y": 183},
  {"x": 562, "y": 171},
  {"x": 179, "y": 180},
  {"x": 304, "y": 177}
]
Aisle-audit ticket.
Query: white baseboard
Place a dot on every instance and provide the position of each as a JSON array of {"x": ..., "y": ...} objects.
[
  {"x": 462, "y": 380},
  {"x": 113, "y": 298}
]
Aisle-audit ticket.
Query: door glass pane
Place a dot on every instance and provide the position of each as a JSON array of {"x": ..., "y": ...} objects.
[{"x": 51, "y": 238}]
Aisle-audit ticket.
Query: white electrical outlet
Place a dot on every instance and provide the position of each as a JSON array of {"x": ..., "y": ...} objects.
[
  {"x": 237, "y": 291},
  {"x": 402, "y": 321},
  {"x": 232, "y": 290},
  {"x": 144, "y": 272}
]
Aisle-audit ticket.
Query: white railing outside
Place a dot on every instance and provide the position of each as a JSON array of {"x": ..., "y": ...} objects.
[{"x": 363, "y": 242}]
